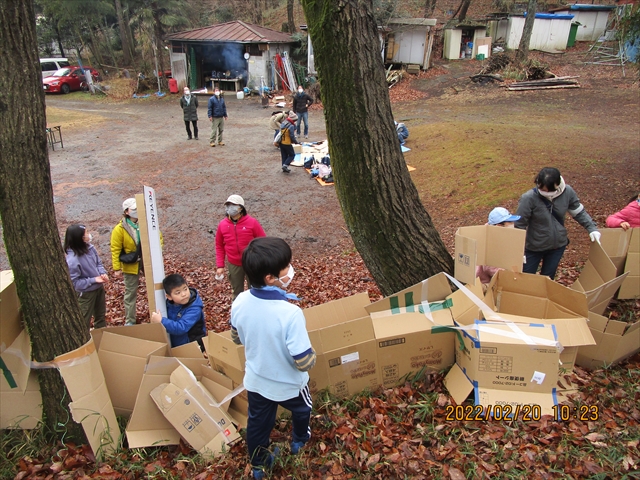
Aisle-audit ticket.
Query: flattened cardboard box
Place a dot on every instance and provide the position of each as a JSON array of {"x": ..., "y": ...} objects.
[
  {"x": 598, "y": 279},
  {"x": 195, "y": 413},
  {"x": 521, "y": 297},
  {"x": 342, "y": 336},
  {"x": 147, "y": 426},
  {"x": 506, "y": 364},
  {"x": 91, "y": 405},
  {"x": 615, "y": 341},
  {"x": 123, "y": 360},
  {"x": 407, "y": 340},
  {"x": 487, "y": 245}
]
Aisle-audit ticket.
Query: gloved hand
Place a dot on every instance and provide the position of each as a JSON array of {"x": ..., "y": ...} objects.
[{"x": 595, "y": 236}]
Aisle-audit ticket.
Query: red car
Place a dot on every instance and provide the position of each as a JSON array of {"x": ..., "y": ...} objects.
[{"x": 68, "y": 79}]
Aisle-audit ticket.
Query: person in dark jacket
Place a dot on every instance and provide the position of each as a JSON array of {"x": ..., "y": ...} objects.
[
  {"x": 88, "y": 275},
  {"x": 301, "y": 103},
  {"x": 542, "y": 211},
  {"x": 189, "y": 105},
  {"x": 217, "y": 113},
  {"x": 402, "y": 131},
  {"x": 287, "y": 141},
  {"x": 185, "y": 317}
]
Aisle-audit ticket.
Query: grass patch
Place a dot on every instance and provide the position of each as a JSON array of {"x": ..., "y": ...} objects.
[{"x": 72, "y": 118}]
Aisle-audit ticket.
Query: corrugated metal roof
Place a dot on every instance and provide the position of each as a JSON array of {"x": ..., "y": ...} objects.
[{"x": 235, "y": 31}]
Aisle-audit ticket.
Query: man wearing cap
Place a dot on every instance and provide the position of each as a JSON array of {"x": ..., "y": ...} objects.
[
  {"x": 234, "y": 233},
  {"x": 126, "y": 254}
]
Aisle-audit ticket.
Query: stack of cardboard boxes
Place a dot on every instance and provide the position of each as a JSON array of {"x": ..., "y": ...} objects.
[{"x": 511, "y": 345}]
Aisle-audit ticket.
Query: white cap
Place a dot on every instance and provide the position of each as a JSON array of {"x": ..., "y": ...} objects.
[
  {"x": 129, "y": 203},
  {"x": 501, "y": 214},
  {"x": 235, "y": 199}
]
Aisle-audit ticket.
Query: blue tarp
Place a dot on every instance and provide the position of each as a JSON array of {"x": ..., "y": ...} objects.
[{"x": 553, "y": 16}]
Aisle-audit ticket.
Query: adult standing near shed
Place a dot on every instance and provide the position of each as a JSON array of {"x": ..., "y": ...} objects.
[
  {"x": 301, "y": 103},
  {"x": 542, "y": 212},
  {"x": 217, "y": 113},
  {"x": 234, "y": 233},
  {"x": 189, "y": 105}
]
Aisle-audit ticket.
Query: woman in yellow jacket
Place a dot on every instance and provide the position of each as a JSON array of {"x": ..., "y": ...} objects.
[{"x": 126, "y": 255}]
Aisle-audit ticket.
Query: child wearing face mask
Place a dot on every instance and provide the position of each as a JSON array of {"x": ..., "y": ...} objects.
[
  {"x": 277, "y": 349},
  {"x": 499, "y": 217},
  {"x": 88, "y": 275},
  {"x": 234, "y": 233},
  {"x": 189, "y": 105},
  {"x": 301, "y": 103},
  {"x": 217, "y": 113}
]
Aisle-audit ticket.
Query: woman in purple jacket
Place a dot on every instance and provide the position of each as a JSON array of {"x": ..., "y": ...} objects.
[{"x": 87, "y": 274}]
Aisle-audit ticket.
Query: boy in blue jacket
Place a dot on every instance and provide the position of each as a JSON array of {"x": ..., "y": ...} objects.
[
  {"x": 277, "y": 349},
  {"x": 185, "y": 322}
]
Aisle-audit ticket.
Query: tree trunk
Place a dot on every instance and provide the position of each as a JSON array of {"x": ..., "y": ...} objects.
[
  {"x": 463, "y": 9},
  {"x": 49, "y": 304},
  {"x": 386, "y": 219},
  {"x": 429, "y": 7},
  {"x": 58, "y": 38},
  {"x": 523, "y": 49},
  {"x": 291, "y": 24},
  {"x": 124, "y": 39}
]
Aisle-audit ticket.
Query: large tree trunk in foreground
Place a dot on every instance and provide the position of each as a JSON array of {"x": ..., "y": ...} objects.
[
  {"x": 523, "y": 49},
  {"x": 381, "y": 206},
  {"x": 49, "y": 305}
]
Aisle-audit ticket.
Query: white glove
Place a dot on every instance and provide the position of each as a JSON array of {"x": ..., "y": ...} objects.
[{"x": 595, "y": 236}]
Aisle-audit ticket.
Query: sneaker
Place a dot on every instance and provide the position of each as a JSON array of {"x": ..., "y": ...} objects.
[
  {"x": 188, "y": 138},
  {"x": 221, "y": 144},
  {"x": 196, "y": 137},
  {"x": 306, "y": 136},
  {"x": 212, "y": 144},
  {"x": 286, "y": 169},
  {"x": 260, "y": 473},
  {"x": 296, "y": 446}
]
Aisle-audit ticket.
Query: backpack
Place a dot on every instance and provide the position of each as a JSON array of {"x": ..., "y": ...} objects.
[
  {"x": 326, "y": 161},
  {"x": 309, "y": 161},
  {"x": 278, "y": 139}
]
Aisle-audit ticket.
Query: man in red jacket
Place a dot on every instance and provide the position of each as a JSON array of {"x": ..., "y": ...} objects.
[{"x": 234, "y": 233}]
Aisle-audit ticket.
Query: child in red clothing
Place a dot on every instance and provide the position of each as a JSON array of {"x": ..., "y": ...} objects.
[{"x": 628, "y": 217}]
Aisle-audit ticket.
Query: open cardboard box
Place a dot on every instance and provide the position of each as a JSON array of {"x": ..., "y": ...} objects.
[
  {"x": 506, "y": 365},
  {"x": 342, "y": 336},
  {"x": 599, "y": 279},
  {"x": 487, "y": 245},
  {"x": 226, "y": 356},
  {"x": 195, "y": 413},
  {"x": 412, "y": 328},
  {"x": 615, "y": 341},
  {"x": 521, "y": 297},
  {"x": 630, "y": 288}
]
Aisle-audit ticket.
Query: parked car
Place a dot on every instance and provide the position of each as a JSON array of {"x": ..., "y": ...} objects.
[
  {"x": 49, "y": 66},
  {"x": 68, "y": 79}
]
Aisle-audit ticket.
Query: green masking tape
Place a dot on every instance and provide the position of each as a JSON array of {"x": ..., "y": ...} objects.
[
  {"x": 7, "y": 374},
  {"x": 408, "y": 301}
]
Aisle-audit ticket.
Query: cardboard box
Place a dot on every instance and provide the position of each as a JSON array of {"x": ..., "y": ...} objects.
[
  {"x": 506, "y": 364},
  {"x": 225, "y": 356},
  {"x": 91, "y": 405},
  {"x": 598, "y": 280},
  {"x": 10, "y": 320},
  {"x": 342, "y": 336},
  {"x": 411, "y": 330},
  {"x": 487, "y": 245},
  {"x": 123, "y": 360},
  {"x": 20, "y": 408},
  {"x": 519, "y": 297},
  {"x": 630, "y": 288},
  {"x": 153, "y": 332},
  {"x": 615, "y": 341},
  {"x": 615, "y": 242},
  {"x": 195, "y": 412},
  {"x": 237, "y": 404},
  {"x": 147, "y": 426}
]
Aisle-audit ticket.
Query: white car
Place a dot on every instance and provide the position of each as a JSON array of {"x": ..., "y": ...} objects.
[{"x": 49, "y": 66}]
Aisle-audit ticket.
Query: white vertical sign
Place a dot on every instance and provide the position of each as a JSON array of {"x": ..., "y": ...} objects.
[{"x": 157, "y": 262}]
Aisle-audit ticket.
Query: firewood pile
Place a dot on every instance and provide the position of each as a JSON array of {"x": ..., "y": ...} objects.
[
  {"x": 496, "y": 63},
  {"x": 545, "y": 84}
]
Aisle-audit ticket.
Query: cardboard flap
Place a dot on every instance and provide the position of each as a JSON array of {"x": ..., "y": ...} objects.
[
  {"x": 336, "y": 311},
  {"x": 128, "y": 345},
  {"x": 433, "y": 289},
  {"x": 615, "y": 241},
  {"x": 21, "y": 409},
  {"x": 220, "y": 347},
  {"x": 463, "y": 310},
  {"x": 597, "y": 322},
  {"x": 486, "y": 397},
  {"x": 344, "y": 334},
  {"x": 614, "y": 327},
  {"x": 153, "y": 332},
  {"x": 189, "y": 350},
  {"x": 10, "y": 323},
  {"x": 458, "y": 384},
  {"x": 573, "y": 332},
  {"x": 17, "y": 364},
  {"x": 82, "y": 374}
]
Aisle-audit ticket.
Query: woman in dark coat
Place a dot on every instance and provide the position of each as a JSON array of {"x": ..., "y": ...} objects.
[{"x": 189, "y": 105}]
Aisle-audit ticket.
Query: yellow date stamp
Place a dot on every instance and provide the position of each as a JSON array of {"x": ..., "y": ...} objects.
[{"x": 479, "y": 413}]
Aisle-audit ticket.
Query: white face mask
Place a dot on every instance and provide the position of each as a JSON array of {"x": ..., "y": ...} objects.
[
  {"x": 300, "y": 90},
  {"x": 549, "y": 195},
  {"x": 133, "y": 213},
  {"x": 187, "y": 92},
  {"x": 217, "y": 94},
  {"x": 233, "y": 210},
  {"x": 290, "y": 274}
]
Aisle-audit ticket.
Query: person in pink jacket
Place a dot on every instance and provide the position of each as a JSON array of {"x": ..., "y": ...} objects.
[
  {"x": 628, "y": 217},
  {"x": 234, "y": 233}
]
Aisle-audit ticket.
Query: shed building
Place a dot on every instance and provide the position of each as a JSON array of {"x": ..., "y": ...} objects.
[{"x": 592, "y": 19}]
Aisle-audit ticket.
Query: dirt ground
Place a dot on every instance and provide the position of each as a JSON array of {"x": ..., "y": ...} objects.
[{"x": 112, "y": 149}]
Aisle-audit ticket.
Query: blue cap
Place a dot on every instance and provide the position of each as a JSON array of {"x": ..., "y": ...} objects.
[{"x": 501, "y": 214}]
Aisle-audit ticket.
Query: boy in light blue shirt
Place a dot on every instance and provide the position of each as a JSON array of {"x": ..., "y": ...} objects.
[{"x": 277, "y": 349}]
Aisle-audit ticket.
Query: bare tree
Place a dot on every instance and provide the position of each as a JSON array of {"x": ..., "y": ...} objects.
[
  {"x": 523, "y": 49},
  {"x": 380, "y": 203},
  {"x": 124, "y": 37},
  {"x": 49, "y": 304},
  {"x": 291, "y": 24}
]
